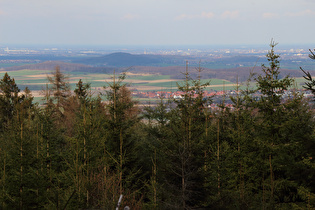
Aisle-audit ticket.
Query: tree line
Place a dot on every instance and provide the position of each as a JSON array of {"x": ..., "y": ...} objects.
[{"x": 79, "y": 152}]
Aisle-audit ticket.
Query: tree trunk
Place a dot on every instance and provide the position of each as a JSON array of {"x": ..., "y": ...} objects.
[
  {"x": 218, "y": 158},
  {"x": 21, "y": 168}
]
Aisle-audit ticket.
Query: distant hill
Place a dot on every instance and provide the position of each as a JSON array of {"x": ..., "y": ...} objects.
[
  {"x": 69, "y": 67},
  {"x": 121, "y": 59}
]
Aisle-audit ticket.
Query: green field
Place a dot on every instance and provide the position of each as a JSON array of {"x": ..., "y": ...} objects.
[
  {"x": 150, "y": 77},
  {"x": 37, "y": 79}
]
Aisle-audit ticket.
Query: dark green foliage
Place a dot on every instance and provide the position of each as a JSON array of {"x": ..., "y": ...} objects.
[
  {"x": 122, "y": 117},
  {"x": 9, "y": 99},
  {"x": 177, "y": 148},
  {"x": 78, "y": 152},
  {"x": 82, "y": 90},
  {"x": 270, "y": 84},
  {"x": 16, "y": 146}
]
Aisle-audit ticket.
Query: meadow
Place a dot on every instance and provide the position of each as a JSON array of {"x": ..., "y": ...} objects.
[{"x": 36, "y": 80}]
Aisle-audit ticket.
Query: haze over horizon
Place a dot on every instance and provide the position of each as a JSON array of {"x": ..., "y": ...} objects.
[{"x": 152, "y": 22}]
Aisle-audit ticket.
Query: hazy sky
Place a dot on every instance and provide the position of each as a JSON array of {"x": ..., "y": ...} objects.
[{"x": 157, "y": 22}]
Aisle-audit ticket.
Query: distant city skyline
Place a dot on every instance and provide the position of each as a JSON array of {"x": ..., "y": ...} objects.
[{"x": 156, "y": 22}]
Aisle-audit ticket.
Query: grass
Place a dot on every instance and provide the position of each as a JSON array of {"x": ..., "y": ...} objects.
[
  {"x": 150, "y": 77},
  {"x": 299, "y": 82},
  {"x": 158, "y": 84},
  {"x": 22, "y": 79},
  {"x": 26, "y": 72}
]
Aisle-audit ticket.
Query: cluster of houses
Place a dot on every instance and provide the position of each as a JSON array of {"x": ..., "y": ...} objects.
[
  {"x": 213, "y": 93},
  {"x": 217, "y": 97},
  {"x": 172, "y": 94}
]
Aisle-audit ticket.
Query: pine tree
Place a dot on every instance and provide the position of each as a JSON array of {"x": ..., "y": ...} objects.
[
  {"x": 16, "y": 145},
  {"x": 59, "y": 87},
  {"x": 152, "y": 159},
  {"x": 122, "y": 116},
  {"x": 53, "y": 139},
  {"x": 182, "y": 147},
  {"x": 310, "y": 84},
  {"x": 9, "y": 98},
  {"x": 272, "y": 118},
  {"x": 86, "y": 142},
  {"x": 306, "y": 164}
]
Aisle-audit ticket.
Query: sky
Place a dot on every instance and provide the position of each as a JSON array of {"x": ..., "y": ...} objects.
[{"x": 156, "y": 22}]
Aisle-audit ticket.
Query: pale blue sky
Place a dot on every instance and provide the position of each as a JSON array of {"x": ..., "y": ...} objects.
[{"x": 156, "y": 22}]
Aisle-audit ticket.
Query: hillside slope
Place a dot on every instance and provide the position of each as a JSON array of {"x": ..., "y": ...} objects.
[
  {"x": 123, "y": 60},
  {"x": 68, "y": 67}
]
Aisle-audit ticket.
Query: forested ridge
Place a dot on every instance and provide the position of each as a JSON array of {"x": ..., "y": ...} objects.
[{"x": 82, "y": 151}]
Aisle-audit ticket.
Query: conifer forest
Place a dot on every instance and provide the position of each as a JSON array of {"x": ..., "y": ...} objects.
[{"x": 83, "y": 151}]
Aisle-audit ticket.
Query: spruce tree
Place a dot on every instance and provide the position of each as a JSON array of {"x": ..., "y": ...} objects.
[
  {"x": 9, "y": 99},
  {"x": 182, "y": 147},
  {"x": 17, "y": 145},
  {"x": 273, "y": 116},
  {"x": 122, "y": 116}
]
